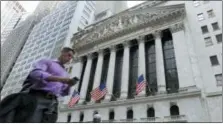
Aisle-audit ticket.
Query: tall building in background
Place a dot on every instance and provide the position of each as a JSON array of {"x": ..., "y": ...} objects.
[
  {"x": 44, "y": 8},
  {"x": 14, "y": 43},
  {"x": 8, "y": 11},
  {"x": 45, "y": 40},
  {"x": 13, "y": 23},
  {"x": 105, "y": 9},
  {"x": 11, "y": 14},
  {"x": 175, "y": 45}
]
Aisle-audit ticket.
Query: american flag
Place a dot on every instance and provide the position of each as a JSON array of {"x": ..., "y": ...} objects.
[
  {"x": 74, "y": 98},
  {"x": 99, "y": 92},
  {"x": 141, "y": 84}
]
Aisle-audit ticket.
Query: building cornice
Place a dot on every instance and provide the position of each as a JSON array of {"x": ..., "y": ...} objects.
[
  {"x": 186, "y": 92},
  {"x": 125, "y": 23},
  {"x": 213, "y": 94}
]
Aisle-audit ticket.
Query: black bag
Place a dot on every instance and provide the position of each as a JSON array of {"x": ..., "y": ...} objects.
[{"x": 12, "y": 105}]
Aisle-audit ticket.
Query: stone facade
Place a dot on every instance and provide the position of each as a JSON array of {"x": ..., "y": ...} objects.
[{"x": 149, "y": 18}]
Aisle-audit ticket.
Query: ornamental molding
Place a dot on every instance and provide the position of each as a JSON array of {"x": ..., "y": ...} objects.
[
  {"x": 177, "y": 27},
  {"x": 127, "y": 22},
  {"x": 192, "y": 91}
]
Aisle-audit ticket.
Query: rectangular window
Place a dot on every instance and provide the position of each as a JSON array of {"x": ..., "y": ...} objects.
[
  {"x": 208, "y": 41},
  {"x": 218, "y": 78},
  {"x": 87, "y": 9},
  {"x": 215, "y": 26},
  {"x": 86, "y": 13},
  {"x": 214, "y": 60},
  {"x": 172, "y": 82},
  {"x": 219, "y": 38},
  {"x": 200, "y": 16},
  {"x": 88, "y": 3},
  {"x": 53, "y": 35},
  {"x": 204, "y": 29},
  {"x": 47, "y": 54},
  {"x": 58, "y": 23},
  {"x": 133, "y": 71},
  {"x": 84, "y": 20},
  {"x": 151, "y": 67},
  {"x": 210, "y": 13}
]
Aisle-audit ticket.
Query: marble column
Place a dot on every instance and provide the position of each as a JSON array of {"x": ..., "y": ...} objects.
[
  {"x": 141, "y": 61},
  {"x": 79, "y": 64},
  {"x": 125, "y": 71},
  {"x": 111, "y": 72},
  {"x": 160, "y": 71},
  {"x": 184, "y": 70},
  {"x": 86, "y": 78},
  {"x": 97, "y": 76}
]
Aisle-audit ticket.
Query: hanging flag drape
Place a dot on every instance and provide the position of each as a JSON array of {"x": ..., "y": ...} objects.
[
  {"x": 99, "y": 92},
  {"x": 74, "y": 98},
  {"x": 141, "y": 84}
]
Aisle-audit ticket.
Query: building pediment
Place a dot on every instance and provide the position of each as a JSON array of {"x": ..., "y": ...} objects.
[{"x": 124, "y": 23}]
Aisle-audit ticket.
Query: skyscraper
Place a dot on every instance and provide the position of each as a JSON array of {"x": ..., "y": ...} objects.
[
  {"x": 105, "y": 9},
  {"x": 10, "y": 50},
  {"x": 46, "y": 38},
  {"x": 11, "y": 14}
]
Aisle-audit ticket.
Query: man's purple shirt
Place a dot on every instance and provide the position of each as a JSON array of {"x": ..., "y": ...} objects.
[{"x": 45, "y": 68}]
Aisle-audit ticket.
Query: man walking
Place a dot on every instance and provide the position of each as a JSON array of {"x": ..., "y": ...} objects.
[{"x": 49, "y": 81}]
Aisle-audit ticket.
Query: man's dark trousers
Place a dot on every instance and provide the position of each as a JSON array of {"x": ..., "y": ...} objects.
[{"x": 46, "y": 110}]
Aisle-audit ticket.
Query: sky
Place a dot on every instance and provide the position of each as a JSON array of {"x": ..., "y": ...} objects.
[{"x": 31, "y": 5}]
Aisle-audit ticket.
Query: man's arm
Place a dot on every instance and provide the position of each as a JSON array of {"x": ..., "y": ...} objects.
[{"x": 40, "y": 72}]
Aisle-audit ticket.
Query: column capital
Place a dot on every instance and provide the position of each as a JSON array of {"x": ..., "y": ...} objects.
[
  {"x": 176, "y": 27},
  {"x": 89, "y": 55},
  {"x": 78, "y": 59},
  {"x": 126, "y": 43},
  {"x": 157, "y": 33},
  {"x": 100, "y": 51},
  {"x": 113, "y": 48},
  {"x": 141, "y": 39}
]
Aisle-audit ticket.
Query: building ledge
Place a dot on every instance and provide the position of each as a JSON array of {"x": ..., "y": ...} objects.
[
  {"x": 176, "y": 118},
  {"x": 128, "y": 120},
  {"x": 182, "y": 93},
  {"x": 219, "y": 93},
  {"x": 151, "y": 119}
]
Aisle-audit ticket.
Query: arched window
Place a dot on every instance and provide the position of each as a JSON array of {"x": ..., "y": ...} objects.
[
  {"x": 68, "y": 117},
  {"x": 81, "y": 117},
  {"x": 130, "y": 114},
  {"x": 111, "y": 115},
  {"x": 174, "y": 110},
  {"x": 150, "y": 112}
]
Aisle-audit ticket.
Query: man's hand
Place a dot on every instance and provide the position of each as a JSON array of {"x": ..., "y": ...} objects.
[{"x": 73, "y": 81}]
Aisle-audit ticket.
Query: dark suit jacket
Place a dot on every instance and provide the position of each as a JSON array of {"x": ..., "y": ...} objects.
[{"x": 17, "y": 107}]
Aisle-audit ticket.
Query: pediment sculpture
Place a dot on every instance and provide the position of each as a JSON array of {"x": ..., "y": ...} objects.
[{"x": 122, "y": 22}]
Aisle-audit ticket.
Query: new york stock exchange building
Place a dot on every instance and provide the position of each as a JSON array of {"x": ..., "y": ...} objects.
[{"x": 155, "y": 40}]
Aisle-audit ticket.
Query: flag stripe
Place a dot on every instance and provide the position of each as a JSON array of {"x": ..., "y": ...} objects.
[
  {"x": 74, "y": 98},
  {"x": 141, "y": 84},
  {"x": 140, "y": 87},
  {"x": 98, "y": 93}
]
